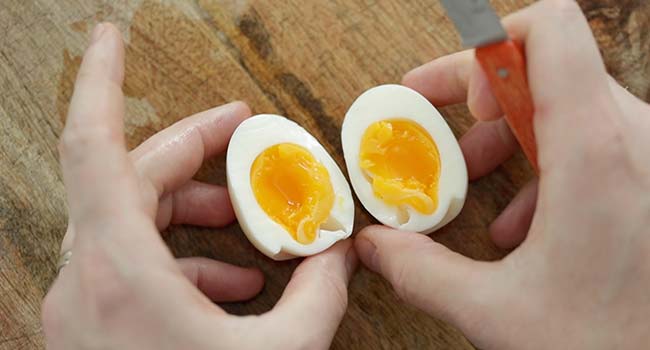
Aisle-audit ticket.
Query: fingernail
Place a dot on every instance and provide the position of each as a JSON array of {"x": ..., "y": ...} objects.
[
  {"x": 351, "y": 261},
  {"x": 97, "y": 33},
  {"x": 368, "y": 254}
]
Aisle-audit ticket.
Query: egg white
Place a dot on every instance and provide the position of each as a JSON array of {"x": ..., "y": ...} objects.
[
  {"x": 399, "y": 102},
  {"x": 251, "y": 138}
]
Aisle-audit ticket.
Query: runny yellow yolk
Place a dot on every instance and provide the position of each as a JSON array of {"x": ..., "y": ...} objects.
[
  {"x": 293, "y": 188},
  {"x": 402, "y": 162}
]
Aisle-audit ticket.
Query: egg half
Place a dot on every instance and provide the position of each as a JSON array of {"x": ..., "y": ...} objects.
[
  {"x": 403, "y": 160},
  {"x": 289, "y": 196}
]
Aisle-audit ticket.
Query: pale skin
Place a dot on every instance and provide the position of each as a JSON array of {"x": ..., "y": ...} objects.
[
  {"x": 123, "y": 289},
  {"x": 578, "y": 277}
]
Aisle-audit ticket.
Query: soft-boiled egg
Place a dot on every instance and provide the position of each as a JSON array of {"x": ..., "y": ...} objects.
[
  {"x": 403, "y": 160},
  {"x": 290, "y": 197}
]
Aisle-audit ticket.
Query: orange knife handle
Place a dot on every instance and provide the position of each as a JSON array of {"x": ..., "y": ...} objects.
[{"x": 504, "y": 64}]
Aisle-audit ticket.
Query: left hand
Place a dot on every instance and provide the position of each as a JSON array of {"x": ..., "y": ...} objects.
[{"x": 123, "y": 289}]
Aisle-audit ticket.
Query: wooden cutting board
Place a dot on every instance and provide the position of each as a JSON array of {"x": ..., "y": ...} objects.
[{"x": 307, "y": 60}]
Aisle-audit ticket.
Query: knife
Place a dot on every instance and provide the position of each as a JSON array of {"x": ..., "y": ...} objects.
[{"x": 504, "y": 64}]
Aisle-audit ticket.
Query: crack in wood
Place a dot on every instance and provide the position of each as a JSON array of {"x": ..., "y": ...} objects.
[
  {"x": 237, "y": 55},
  {"x": 250, "y": 26}
]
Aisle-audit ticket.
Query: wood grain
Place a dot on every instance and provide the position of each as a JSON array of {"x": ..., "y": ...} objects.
[{"x": 307, "y": 60}]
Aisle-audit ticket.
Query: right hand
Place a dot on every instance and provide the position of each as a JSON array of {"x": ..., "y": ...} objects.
[{"x": 581, "y": 277}]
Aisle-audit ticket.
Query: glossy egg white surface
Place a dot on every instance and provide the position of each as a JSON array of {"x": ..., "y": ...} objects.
[
  {"x": 399, "y": 102},
  {"x": 252, "y": 137}
]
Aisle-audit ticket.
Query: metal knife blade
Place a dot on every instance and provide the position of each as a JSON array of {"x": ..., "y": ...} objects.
[{"x": 476, "y": 21}]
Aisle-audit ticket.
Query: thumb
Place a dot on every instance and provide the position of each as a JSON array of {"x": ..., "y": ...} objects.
[{"x": 426, "y": 274}]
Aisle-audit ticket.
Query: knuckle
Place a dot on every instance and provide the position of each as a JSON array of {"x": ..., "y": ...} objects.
[
  {"x": 77, "y": 140},
  {"x": 406, "y": 273},
  {"x": 331, "y": 282},
  {"x": 404, "y": 277},
  {"x": 403, "y": 281},
  {"x": 336, "y": 284},
  {"x": 86, "y": 75},
  {"x": 339, "y": 289}
]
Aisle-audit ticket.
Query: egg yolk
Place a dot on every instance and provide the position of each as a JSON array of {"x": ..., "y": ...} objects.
[
  {"x": 402, "y": 162},
  {"x": 293, "y": 188}
]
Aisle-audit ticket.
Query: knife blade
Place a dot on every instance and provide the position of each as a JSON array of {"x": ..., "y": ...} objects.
[
  {"x": 504, "y": 64},
  {"x": 476, "y": 21}
]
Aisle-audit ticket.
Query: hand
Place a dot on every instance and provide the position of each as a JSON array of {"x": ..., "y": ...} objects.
[
  {"x": 123, "y": 289},
  {"x": 581, "y": 277}
]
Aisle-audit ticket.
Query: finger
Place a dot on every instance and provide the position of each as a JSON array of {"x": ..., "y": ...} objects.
[
  {"x": 443, "y": 81},
  {"x": 171, "y": 157},
  {"x": 105, "y": 207},
  {"x": 511, "y": 227},
  {"x": 486, "y": 145},
  {"x": 568, "y": 80},
  {"x": 452, "y": 79},
  {"x": 315, "y": 299},
  {"x": 222, "y": 282},
  {"x": 425, "y": 273},
  {"x": 98, "y": 176},
  {"x": 196, "y": 203},
  {"x": 481, "y": 101}
]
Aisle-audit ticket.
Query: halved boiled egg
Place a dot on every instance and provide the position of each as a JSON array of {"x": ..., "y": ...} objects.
[
  {"x": 290, "y": 197},
  {"x": 403, "y": 160}
]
